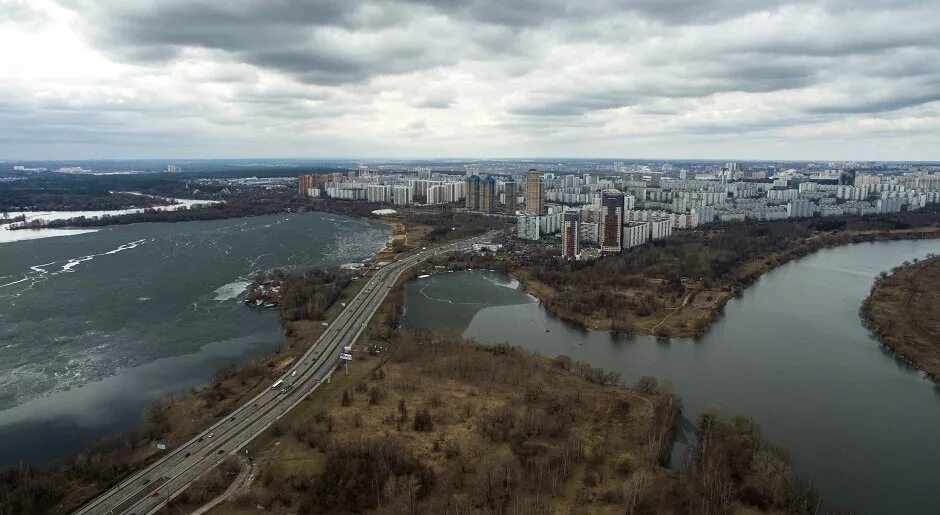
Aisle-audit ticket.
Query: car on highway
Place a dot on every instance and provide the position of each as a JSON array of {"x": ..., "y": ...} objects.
[{"x": 211, "y": 435}]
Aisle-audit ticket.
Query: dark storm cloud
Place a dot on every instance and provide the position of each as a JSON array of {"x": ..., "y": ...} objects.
[
  {"x": 312, "y": 40},
  {"x": 325, "y": 42},
  {"x": 739, "y": 75},
  {"x": 575, "y": 105},
  {"x": 882, "y": 105}
]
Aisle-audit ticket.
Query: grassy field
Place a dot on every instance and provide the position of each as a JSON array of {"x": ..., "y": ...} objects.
[
  {"x": 459, "y": 429},
  {"x": 439, "y": 425},
  {"x": 904, "y": 310}
]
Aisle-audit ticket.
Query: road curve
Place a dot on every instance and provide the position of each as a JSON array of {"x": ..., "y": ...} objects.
[{"x": 150, "y": 489}]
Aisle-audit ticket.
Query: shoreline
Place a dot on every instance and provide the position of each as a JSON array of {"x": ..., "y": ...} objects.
[
  {"x": 178, "y": 417},
  {"x": 754, "y": 271},
  {"x": 897, "y": 313}
]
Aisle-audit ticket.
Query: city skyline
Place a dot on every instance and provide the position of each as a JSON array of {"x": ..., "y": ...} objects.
[{"x": 722, "y": 79}]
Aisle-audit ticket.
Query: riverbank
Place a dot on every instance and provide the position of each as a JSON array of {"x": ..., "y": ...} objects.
[
  {"x": 63, "y": 486},
  {"x": 789, "y": 352},
  {"x": 676, "y": 287},
  {"x": 181, "y": 323},
  {"x": 903, "y": 311}
]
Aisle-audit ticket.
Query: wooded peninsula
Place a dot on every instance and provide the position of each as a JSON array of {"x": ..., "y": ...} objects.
[{"x": 903, "y": 310}]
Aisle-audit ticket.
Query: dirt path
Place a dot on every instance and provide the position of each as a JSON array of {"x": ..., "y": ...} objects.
[
  {"x": 685, "y": 302},
  {"x": 244, "y": 478}
]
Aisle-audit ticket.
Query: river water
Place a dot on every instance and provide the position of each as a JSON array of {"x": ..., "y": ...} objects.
[
  {"x": 789, "y": 352},
  {"x": 95, "y": 326}
]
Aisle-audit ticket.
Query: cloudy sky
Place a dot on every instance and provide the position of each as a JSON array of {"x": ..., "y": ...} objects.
[{"x": 775, "y": 79}]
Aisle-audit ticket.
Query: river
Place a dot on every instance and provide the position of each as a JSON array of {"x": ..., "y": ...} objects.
[
  {"x": 94, "y": 326},
  {"x": 789, "y": 352}
]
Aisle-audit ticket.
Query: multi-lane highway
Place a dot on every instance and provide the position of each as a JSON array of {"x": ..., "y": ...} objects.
[{"x": 148, "y": 490}]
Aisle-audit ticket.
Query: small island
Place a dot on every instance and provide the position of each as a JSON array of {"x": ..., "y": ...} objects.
[{"x": 903, "y": 310}]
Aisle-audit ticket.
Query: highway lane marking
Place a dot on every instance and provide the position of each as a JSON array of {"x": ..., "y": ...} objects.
[{"x": 365, "y": 299}]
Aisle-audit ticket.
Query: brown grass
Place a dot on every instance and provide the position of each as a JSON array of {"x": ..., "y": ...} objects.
[
  {"x": 564, "y": 442},
  {"x": 904, "y": 310}
]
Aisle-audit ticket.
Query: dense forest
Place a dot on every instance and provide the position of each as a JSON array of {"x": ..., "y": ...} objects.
[
  {"x": 250, "y": 203},
  {"x": 26, "y": 199}
]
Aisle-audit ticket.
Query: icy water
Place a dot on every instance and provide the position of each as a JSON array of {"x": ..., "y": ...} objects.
[
  {"x": 790, "y": 352},
  {"x": 95, "y": 326}
]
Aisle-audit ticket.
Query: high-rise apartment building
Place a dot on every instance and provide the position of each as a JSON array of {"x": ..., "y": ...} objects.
[
  {"x": 488, "y": 196},
  {"x": 571, "y": 235},
  {"x": 306, "y": 183},
  {"x": 511, "y": 191},
  {"x": 473, "y": 193},
  {"x": 610, "y": 232},
  {"x": 534, "y": 193}
]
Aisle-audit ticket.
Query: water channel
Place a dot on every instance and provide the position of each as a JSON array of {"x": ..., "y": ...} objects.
[{"x": 789, "y": 352}]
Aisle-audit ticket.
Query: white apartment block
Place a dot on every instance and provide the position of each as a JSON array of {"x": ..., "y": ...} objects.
[
  {"x": 527, "y": 226},
  {"x": 889, "y": 205},
  {"x": 629, "y": 202},
  {"x": 402, "y": 195},
  {"x": 635, "y": 234},
  {"x": 800, "y": 209},
  {"x": 380, "y": 193},
  {"x": 551, "y": 222},
  {"x": 347, "y": 193},
  {"x": 588, "y": 232},
  {"x": 701, "y": 215},
  {"x": 660, "y": 228},
  {"x": 782, "y": 195}
]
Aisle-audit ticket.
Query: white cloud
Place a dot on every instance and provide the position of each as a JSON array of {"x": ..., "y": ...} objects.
[{"x": 667, "y": 78}]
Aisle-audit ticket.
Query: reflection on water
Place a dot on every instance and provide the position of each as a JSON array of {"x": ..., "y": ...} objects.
[{"x": 790, "y": 352}]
